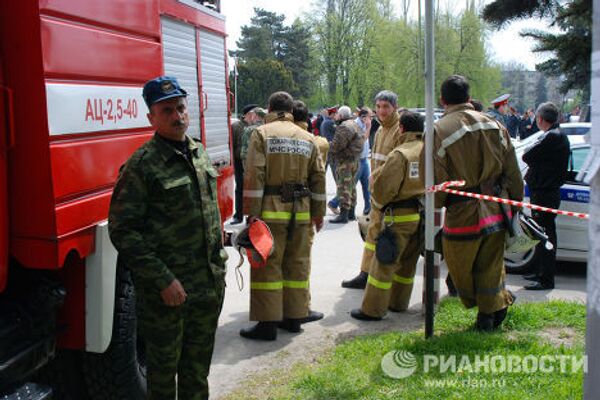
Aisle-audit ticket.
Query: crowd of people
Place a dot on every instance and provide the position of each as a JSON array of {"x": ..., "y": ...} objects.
[{"x": 164, "y": 218}]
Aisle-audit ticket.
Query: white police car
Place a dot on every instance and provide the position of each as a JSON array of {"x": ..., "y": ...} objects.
[{"x": 572, "y": 233}]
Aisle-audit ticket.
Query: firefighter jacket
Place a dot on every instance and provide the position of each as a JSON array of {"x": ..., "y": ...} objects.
[
  {"x": 164, "y": 218},
  {"x": 347, "y": 143},
  {"x": 401, "y": 178},
  {"x": 473, "y": 147},
  {"x": 282, "y": 154},
  {"x": 387, "y": 138},
  {"x": 322, "y": 143}
]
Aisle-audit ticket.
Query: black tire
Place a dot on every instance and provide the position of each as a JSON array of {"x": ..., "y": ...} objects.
[
  {"x": 519, "y": 263},
  {"x": 119, "y": 373}
]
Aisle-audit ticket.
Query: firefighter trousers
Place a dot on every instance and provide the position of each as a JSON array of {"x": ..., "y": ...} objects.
[
  {"x": 477, "y": 270},
  {"x": 372, "y": 231},
  {"x": 390, "y": 285},
  {"x": 280, "y": 289}
]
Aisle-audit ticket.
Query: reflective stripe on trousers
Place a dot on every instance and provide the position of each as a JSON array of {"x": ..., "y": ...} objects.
[
  {"x": 278, "y": 285},
  {"x": 387, "y": 285},
  {"x": 285, "y": 215}
]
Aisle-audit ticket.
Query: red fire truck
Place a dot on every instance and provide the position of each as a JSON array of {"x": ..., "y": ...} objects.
[{"x": 71, "y": 113}]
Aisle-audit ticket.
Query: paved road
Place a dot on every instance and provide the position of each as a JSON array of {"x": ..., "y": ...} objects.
[{"x": 336, "y": 256}]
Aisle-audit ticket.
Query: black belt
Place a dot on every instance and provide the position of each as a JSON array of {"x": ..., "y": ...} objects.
[
  {"x": 452, "y": 199},
  {"x": 289, "y": 192},
  {"x": 406, "y": 203}
]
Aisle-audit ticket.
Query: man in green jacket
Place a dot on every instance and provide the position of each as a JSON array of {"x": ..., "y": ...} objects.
[{"x": 165, "y": 223}]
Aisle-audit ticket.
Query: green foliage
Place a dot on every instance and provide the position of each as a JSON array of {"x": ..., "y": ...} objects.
[
  {"x": 273, "y": 57},
  {"x": 571, "y": 47},
  {"x": 260, "y": 78},
  {"x": 387, "y": 53}
]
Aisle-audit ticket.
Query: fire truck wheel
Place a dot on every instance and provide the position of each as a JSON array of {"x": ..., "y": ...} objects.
[{"x": 120, "y": 372}]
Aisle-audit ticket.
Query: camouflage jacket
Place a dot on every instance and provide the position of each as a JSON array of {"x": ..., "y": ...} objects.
[
  {"x": 164, "y": 219},
  {"x": 347, "y": 143},
  {"x": 246, "y": 141}
]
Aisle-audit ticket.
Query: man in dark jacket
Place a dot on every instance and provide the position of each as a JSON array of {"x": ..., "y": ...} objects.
[
  {"x": 548, "y": 160},
  {"x": 237, "y": 132}
]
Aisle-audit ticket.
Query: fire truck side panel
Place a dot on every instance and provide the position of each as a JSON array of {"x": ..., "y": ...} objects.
[
  {"x": 6, "y": 131},
  {"x": 31, "y": 200},
  {"x": 77, "y": 69},
  {"x": 88, "y": 52},
  {"x": 135, "y": 16}
]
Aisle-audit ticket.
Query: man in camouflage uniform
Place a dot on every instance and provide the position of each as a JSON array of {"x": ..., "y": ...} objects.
[
  {"x": 388, "y": 137},
  {"x": 346, "y": 146},
  {"x": 165, "y": 223},
  {"x": 254, "y": 118},
  {"x": 397, "y": 188},
  {"x": 471, "y": 146},
  {"x": 285, "y": 186}
]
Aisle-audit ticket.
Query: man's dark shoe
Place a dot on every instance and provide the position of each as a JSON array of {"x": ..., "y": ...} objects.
[
  {"x": 531, "y": 277},
  {"x": 311, "y": 317},
  {"x": 485, "y": 322},
  {"x": 539, "y": 286},
  {"x": 358, "y": 314},
  {"x": 264, "y": 330},
  {"x": 291, "y": 325},
  {"x": 352, "y": 214},
  {"x": 358, "y": 282},
  {"x": 236, "y": 221},
  {"x": 342, "y": 218},
  {"x": 500, "y": 316}
]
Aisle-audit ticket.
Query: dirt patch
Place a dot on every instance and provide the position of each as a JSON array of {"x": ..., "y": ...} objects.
[{"x": 558, "y": 337}]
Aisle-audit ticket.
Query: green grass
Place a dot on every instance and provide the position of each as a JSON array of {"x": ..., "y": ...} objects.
[{"x": 352, "y": 370}]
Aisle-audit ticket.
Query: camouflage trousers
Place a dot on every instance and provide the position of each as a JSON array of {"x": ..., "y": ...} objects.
[
  {"x": 179, "y": 341},
  {"x": 477, "y": 270},
  {"x": 346, "y": 183}
]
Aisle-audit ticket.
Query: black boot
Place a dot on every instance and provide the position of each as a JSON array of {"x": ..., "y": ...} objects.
[
  {"x": 485, "y": 322},
  {"x": 264, "y": 330},
  {"x": 342, "y": 218},
  {"x": 352, "y": 214},
  {"x": 500, "y": 316},
  {"x": 531, "y": 277},
  {"x": 291, "y": 324},
  {"x": 358, "y": 314},
  {"x": 358, "y": 282},
  {"x": 311, "y": 317}
]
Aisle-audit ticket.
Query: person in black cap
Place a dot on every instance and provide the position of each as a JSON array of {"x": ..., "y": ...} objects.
[
  {"x": 164, "y": 220},
  {"x": 237, "y": 133}
]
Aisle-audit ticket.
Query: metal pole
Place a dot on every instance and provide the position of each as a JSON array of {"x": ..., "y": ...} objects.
[
  {"x": 429, "y": 203},
  {"x": 592, "y": 337},
  {"x": 420, "y": 50}
]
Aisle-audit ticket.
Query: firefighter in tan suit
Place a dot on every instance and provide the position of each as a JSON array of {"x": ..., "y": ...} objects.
[
  {"x": 388, "y": 137},
  {"x": 284, "y": 186},
  {"x": 397, "y": 189},
  {"x": 470, "y": 146},
  {"x": 300, "y": 113}
]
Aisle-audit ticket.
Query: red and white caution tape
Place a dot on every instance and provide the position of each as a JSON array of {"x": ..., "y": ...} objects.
[{"x": 445, "y": 187}]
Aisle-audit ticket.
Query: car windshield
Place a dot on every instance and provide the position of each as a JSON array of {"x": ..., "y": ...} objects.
[{"x": 575, "y": 130}]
